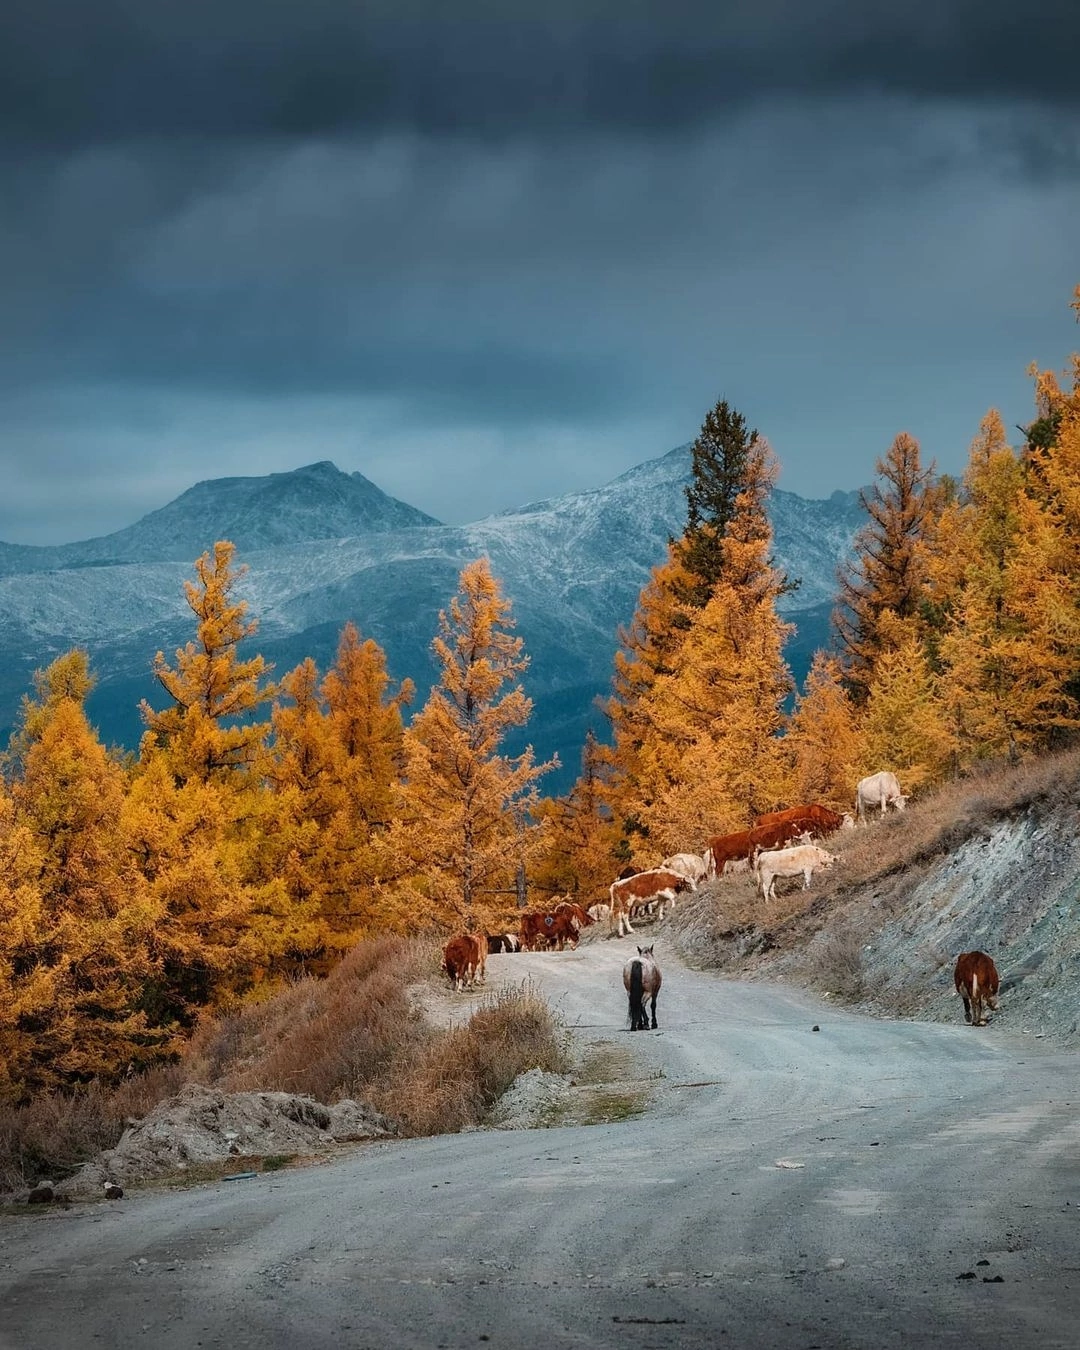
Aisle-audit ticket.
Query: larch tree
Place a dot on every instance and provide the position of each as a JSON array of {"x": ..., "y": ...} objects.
[
  {"x": 988, "y": 669},
  {"x": 28, "y": 986},
  {"x": 887, "y": 574},
  {"x": 710, "y": 758},
  {"x": 209, "y": 941},
  {"x": 905, "y": 725},
  {"x": 581, "y": 837},
  {"x": 206, "y": 842},
  {"x": 85, "y": 962},
  {"x": 335, "y": 766},
  {"x": 823, "y": 744},
  {"x": 466, "y": 804},
  {"x": 647, "y": 650},
  {"x": 207, "y": 731}
]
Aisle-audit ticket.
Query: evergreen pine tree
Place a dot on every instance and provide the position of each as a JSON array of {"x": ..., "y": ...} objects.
[{"x": 888, "y": 572}]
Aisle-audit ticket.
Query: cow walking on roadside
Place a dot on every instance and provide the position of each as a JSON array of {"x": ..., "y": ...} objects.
[
  {"x": 976, "y": 981},
  {"x": 465, "y": 959}
]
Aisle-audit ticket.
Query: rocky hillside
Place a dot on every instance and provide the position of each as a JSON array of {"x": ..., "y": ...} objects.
[{"x": 991, "y": 863}]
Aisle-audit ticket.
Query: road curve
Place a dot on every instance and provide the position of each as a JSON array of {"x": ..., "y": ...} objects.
[{"x": 871, "y": 1183}]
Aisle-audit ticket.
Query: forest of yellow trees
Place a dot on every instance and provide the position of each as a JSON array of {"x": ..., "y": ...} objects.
[{"x": 265, "y": 826}]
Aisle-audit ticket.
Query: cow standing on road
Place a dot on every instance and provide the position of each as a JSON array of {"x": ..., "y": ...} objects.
[
  {"x": 976, "y": 981},
  {"x": 464, "y": 959}
]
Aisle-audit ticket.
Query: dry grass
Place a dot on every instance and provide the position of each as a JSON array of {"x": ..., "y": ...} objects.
[
  {"x": 455, "y": 1079},
  {"x": 354, "y": 1034}
]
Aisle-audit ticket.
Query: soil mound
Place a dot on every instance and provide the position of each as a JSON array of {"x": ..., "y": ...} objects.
[{"x": 203, "y": 1125}]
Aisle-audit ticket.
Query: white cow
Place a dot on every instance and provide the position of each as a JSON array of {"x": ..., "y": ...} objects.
[
  {"x": 789, "y": 862},
  {"x": 689, "y": 865},
  {"x": 879, "y": 790}
]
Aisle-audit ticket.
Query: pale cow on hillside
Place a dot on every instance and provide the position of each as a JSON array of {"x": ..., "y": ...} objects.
[
  {"x": 878, "y": 791},
  {"x": 689, "y": 865},
  {"x": 803, "y": 861}
]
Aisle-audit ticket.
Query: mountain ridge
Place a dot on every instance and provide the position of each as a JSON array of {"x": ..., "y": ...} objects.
[{"x": 572, "y": 567}]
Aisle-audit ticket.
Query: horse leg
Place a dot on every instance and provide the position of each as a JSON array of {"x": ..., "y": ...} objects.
[{"x": 654, "y": 1012}]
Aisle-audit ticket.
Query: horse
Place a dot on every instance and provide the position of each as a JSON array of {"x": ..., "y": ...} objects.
[{"x": 642, "y": 979}]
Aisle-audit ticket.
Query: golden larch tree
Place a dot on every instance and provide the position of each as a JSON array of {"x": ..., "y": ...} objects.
[
  {"x": 581, "y": 840},
  {"x": 207, "y": 732},
  {"x": 905, "y": 725},
  {"x": 823, "y": 744},
  {"x": 465, "y": 802},
  {"x": 710, "y": 758},
  {"x": 88, "y": 960}
]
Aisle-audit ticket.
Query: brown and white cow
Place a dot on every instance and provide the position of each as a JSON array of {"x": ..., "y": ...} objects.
[
  {"x": 503, "y": 942},
  {"x": 802, "y": 861},
  {"x": 581, "y": 917},
  {"x": 464, "y": 959},
  {"x": 976, "y": 981},
  {"x": 880, "y": 791},
  {"x": 643, "y": 888}
]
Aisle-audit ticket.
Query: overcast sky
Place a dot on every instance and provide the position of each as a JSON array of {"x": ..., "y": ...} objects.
[{"x": 489, "y": 252}]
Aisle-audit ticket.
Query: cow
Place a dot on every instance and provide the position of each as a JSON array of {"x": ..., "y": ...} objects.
[
  {"x": 879, "y": 790},
  {"x": 632, "y": 893},
  {"x": 503, "y": 942},
  {"x": 690, "y": 865},
  {"x": 598, "y": 911},
  {"x": 544, "y": 929},
  {"x": 976, "y": 981},
  {"x": 804, "y": 860},
  {"x": 818, "y": 819},
  {"x": 464, "y": 958},
  {"x": 727, "y": 848},
  {"x": 580, "y": 917}
]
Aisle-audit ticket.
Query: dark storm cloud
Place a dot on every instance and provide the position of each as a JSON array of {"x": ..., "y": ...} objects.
[{"x": 72, "y": 72}]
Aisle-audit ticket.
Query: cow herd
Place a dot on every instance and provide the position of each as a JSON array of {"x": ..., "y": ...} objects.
[{"x": 779, "y": 845}]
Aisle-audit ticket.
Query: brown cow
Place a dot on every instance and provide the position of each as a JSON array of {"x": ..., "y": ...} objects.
[
  {"x": 727, "y": 848},
  {"x": 542, "y": 929},
  {"x": 631, "y": 893},
  {"x": 976, "y": 980},
  {"x": 464, "y": 959},
  {"x": 819, "y": 820}
]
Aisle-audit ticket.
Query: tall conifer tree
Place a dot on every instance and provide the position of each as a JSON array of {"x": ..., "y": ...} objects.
[
  {"x": 466, "y": 803},
  {"x": 887, "y": 574}
]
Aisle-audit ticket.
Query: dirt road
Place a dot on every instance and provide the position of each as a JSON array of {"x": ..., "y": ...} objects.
[{"x": 869, "y": 1184}]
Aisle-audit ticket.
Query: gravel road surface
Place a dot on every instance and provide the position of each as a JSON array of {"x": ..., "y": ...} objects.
[{"x": 872, "y": 1183}]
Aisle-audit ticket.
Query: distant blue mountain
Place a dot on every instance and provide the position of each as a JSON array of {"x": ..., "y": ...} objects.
[{"x": 324, "y": 547}]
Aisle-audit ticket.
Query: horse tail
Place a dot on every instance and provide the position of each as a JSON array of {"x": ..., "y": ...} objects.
[{"x": 637, "y": 995}]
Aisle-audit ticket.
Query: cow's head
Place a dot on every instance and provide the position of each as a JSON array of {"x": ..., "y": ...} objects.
[
  {"x": 900, "y": 803},
  {"x": 847, "y": 821}
]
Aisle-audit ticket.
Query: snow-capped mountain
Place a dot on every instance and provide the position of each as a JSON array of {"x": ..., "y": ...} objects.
[{"x": 323, "y": 547}]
